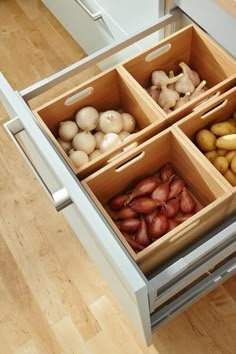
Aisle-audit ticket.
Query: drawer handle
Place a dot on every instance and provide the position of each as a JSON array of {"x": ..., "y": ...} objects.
[
  {"x": 94, "y": 16},
  {"x": 158, "y": 52},
  {"x": 214, "y": 109},
  {"x": 78, "y": 96},
  {"x": 60, "y": 198},
  {"x": 123, "y": 152},
  {"x": 131, "y": 161}
]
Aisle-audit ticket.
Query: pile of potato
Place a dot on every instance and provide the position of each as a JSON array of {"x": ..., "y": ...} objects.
[{"x": 219, "y": 146}]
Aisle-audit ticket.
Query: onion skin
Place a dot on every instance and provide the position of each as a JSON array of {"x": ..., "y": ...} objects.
[
  {"x": 159, "y": 225},
  {"x": 129, "y": 225},
  {"x": 176, "y": 187},
  {"x": 172, "y": 224},
  {"x": 135, "y": 245},
  {"x": 118, "y": 201},
  {"x": 149, "y": 216},
  {"x": 144, "y": 205},
  {"x": 161, "y": 192},
  {"x": 187, "y": 203},
  {"x": 172, "y": 207},
  {"x": 125, "y": 213},
  {"x": 181, "y": 218},
  {"x": 166, "y": 172},
  {"x": 144, "y": 187},
  {"x": 142, "y": 234}
]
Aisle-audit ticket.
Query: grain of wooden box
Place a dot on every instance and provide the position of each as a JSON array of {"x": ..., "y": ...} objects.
[
  {"x": 217, "y": 111},
  {"x": 195, "y": 48},
  {"x": 104, "y": 92},
  {"x": 145, "y": 160}
]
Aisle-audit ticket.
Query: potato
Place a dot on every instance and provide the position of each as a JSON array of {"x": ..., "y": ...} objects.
[
  {"x": 221, "y": 163},
  {"x": 223, "y": 128},
  {"x": 231, "y": 177},
  {"x": 221, "y": 152},
  {"x": 206, "y": 140},
  {"x": 227, "y": 142},
  {"x": 230, "y": 154},
  {"x": 211, "y": 155},
  {"x": 232, "y": 122},
  {"x": 233, "y": 164}
]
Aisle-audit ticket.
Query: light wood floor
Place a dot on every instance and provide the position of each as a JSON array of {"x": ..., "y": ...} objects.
[{"x": 52, "y": 299}]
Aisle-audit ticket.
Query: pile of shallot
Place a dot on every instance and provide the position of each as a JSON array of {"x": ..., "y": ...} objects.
[
  {"x": 172, "y": 92},
  {"x": 93, "y": 133},
  {"x": 156, "y": 205}
]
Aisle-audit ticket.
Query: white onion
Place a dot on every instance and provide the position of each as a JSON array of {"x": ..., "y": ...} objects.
[
  {"x": 66, "y": 145},
  {"x": 129, "y": 122},
  {"x": 79, "y": 158},
  {"x": 123, "y": 135},
  {"x": 95, "y": 154},
  {"x": 67, "y": 130},
  {"x": 84, "y": 141},
  {"x": 98, "y": 137},
  {"x": 87, "y": 118},
  {"x": 110, "y": 141},
  {"x": 110, "y": 122}
]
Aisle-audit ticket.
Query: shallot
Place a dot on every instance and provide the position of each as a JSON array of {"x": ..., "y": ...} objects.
[
  {"x": 161, "y": 192},
  {"x": 144, "y": 205},
  {"x": 143, "y": 187},
  {"x": 125, "y": 213},
  {"x": 176, "y": 187},
  {"x": 166, "y": 172},
  {"x": 135, "y": 245},
  {"x": 171, "y": 207},
  {"x": 172, "y": 224},
  {"x": 159, "y": 225},
  {"x": 187, "y": 203},
  {"x": 181, "y": 218},
  {"x": 118, "y": 201},
  {"x": 142, "y": 234},
  {"x": 129, "y": 225}
]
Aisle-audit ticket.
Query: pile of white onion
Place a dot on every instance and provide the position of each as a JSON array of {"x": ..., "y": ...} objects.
[{"x": 93, "y": 133}]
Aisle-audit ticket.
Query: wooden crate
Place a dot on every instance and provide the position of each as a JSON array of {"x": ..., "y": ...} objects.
[
  {"x": 195, "y": 48},
  {"x": 211, "y": 194},
  {"x": 217, "y": 111},
  {"x": 104, "y": 92}
]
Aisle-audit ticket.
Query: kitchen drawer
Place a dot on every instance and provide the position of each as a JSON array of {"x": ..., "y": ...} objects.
[{"x": 149, "y": 300}]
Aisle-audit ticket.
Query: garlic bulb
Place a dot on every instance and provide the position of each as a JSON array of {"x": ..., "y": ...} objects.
[
  {"x": 67, "y": 130},
  {"x": 79, "y": 158},
  {"x": 66, "y": 145},
  {"x": 110, "y": 141},
  {"x": 154, "y": 92},
  {"x": 168, "y": 97},
  {"x": 98, "y": 137},
  {"x": 184, "y": 84},
  {"x": 87, "y": 118},
  {"x": 128, "y": 122},
  {"x": 94, "y": 154},
  {"x": 182, "y": 100},
  {"x": 84, "y": 141},
  {"x": 110, "y": 122}
]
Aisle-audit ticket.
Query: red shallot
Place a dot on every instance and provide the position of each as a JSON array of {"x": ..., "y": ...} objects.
[
  {"x": 171, "y": 207},
  {"x": 159, "y": 225},
  {"x": 187, "y": 203},
  {"x": 172, "y": 224},
  {"x": 144, "y": 205},
  {"x": 118, "y": 201},
  {"x": 181, "y": 218},
  {"x": 125, "y": 213},
  {"x": 135, "y": 245},
  {"x": 129, "y": 225},
  {"x": 176, "y": 187},
  {"x": 161, "y": 192},
  {"x": 142, "y": 234},
  {"x": 166, "y": 172},
  {"x": 144, "y": 187}
]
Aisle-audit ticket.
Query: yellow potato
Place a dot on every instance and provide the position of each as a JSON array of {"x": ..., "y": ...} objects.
[
  {"x": 227, "y": 142},
  {"x": 206, "y": 140},
  {"x": 223, "y": 128},
  {"x": 233, "y": 164},
  {"x": 221, "y": 152},
  {"x": 232, "y": 122},
  {"x": 230, "y": 154},
  {"x": 231, "y": 177},
  {"x": 221, "y": 163},
  {"x": 211, "y": 155}
]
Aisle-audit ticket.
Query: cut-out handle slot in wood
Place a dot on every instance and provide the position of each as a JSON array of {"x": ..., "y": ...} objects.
[
  {"x": 78, "y": 96},
  {"x": 206, "y": 101},
  {"x": 130, "y": 162},
  {"x": 158, "y": 52},
  {"x": 214, "y": 109},
  {"x": 120, "y": 154}
]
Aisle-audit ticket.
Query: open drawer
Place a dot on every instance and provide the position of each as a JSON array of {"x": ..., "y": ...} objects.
[{"x": 149, "y": 300}]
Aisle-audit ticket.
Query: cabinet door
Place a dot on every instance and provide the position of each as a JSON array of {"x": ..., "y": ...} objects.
[{"x": 118, "y": 269}]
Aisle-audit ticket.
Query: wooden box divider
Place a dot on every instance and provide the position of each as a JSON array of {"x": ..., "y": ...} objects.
[
  {"x": 211, "y": 194},
  {"x": 196, "y": 49},
  {"x": 218, "y": 110}
]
